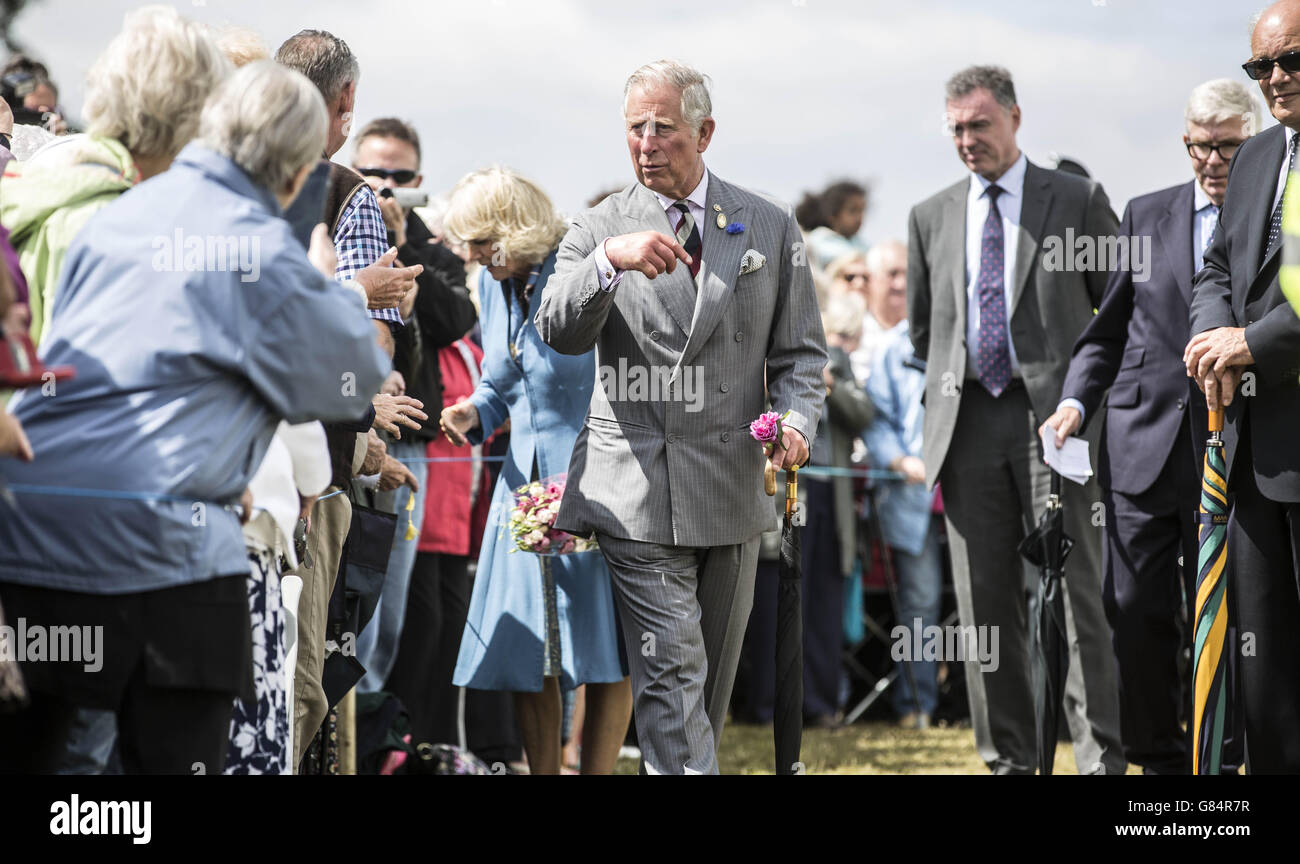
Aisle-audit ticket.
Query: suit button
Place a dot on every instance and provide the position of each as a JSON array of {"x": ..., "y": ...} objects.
[
  {"x": 723, "y": 387},
  {"x": 740, "y": 337},
  {"x": 654, "y": 335},
  {"x": 726, "y": 436},
  {"x": 1181, "y": 403},
  {"x": 672, "y": 439}
]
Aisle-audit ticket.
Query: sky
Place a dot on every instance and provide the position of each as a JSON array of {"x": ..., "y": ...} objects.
[{"x": 804, "y": 91}]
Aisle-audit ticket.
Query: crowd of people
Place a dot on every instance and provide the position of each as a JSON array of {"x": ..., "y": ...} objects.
[{"x": 269, "y": 414}]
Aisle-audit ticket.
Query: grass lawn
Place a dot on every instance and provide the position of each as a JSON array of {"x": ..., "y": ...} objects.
[{"x": 864, "y": 748}]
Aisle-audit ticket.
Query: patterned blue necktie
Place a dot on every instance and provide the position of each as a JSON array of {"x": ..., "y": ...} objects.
[
  {"x": 1275, "y": 224},
  {"x": 993, "y": 351}
]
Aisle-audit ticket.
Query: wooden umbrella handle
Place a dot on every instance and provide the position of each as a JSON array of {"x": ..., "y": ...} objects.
[
  {"x": 769, "y": 478},
  {"x": 1216, "y": 421}
]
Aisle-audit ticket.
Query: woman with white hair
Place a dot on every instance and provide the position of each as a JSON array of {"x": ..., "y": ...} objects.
[
  {"x": 537, "y": 624},
  {"x": 143, "y": 97},
  {"x": 196, "y": 324}
]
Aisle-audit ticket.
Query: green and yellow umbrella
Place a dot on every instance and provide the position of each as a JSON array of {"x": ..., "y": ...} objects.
[{"x": 1210, "y": 660}]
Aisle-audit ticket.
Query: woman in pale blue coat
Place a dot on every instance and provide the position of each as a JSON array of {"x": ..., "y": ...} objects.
[{"x": 537, "y": 625}]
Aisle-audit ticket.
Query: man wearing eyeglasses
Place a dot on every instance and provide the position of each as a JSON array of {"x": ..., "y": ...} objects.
[
  {"x": 1155, "y": 422},
  {"x": 1241, "y": 322}
]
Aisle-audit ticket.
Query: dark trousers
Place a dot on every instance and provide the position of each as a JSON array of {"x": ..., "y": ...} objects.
[
  {"x": 170, "y": 664},
  {"x": 1143, "y": 590},
  {"x": 1264, "y": 588},
  {"x": 437, "y": 604},
  {"x": 823, "y": 601}
]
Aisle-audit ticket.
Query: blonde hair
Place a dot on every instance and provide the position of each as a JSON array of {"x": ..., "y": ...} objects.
[
  {"x": 499, "y": 205},
  {"x": 844, "y": 314},
  {"x": 148, "y": 87},
  {"x": 241, "y": 45}
]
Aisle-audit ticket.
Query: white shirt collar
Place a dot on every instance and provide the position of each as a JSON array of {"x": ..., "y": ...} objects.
[
  {"x": 696, "y": 198},
  {"x": 1012, "y": 181},
  {"x": 1200, "y": 200}
]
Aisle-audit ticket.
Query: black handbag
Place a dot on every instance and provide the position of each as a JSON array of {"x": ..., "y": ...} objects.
[{"x": 362, "y": 567}]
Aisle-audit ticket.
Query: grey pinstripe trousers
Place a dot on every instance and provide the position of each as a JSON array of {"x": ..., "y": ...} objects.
[{"x": 684, "y": 611}]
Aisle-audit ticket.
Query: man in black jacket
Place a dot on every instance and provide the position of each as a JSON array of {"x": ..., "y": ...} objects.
[
  {"x": 1241, "y": 323},
  {"x": 436, "y": 314},
  {"x": 1155, "y": 427}
]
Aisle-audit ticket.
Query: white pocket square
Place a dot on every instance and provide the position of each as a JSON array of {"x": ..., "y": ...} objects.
[{"x": 752, "y": 261}]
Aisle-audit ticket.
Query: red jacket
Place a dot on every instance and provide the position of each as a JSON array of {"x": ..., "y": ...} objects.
[{"x": 453, "y": 525}]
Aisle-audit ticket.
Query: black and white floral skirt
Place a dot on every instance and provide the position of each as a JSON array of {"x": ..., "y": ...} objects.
[{"x": 259, "y": 733}]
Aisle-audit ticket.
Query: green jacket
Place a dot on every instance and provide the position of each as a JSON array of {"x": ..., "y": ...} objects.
[{"x": 45, "y": 201}]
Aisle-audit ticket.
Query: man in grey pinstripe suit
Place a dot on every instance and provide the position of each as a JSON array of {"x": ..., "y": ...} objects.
[{"x": 687, "y": 279}]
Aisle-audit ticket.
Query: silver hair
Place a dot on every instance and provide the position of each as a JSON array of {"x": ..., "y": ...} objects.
[
  {"x": 1222, "y": 100},
  {"x": 692, "y": 84},
  {"x": 994, "y": 79},
  {"x": 269, "y": 120},
  {"x": 877, "y": 252},
  {"x": 147, "y": 88},
  {"x": 324, "y": 58}
]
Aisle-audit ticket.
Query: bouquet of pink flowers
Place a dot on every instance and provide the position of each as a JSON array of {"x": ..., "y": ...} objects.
[{"x": 532, "y": 520}]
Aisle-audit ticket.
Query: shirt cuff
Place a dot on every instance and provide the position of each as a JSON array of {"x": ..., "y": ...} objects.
[
  {"x": 608, "y": 275},
  {"x": 1076, "y": 405}
]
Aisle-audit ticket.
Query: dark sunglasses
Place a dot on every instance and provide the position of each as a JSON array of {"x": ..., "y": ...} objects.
[
  {"x": 1263, "y": 67},
  {"x": 382, "y": 173}
]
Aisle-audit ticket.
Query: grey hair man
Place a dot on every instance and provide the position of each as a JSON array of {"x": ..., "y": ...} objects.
[
  {"x": 989, "y": 313},
  {"x": 683, "y": 269},
  {"x": 1150, "y": 457},
  {"x": 352, "y": 214}
]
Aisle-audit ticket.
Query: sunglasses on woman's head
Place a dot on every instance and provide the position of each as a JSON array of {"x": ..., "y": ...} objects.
[
  {"x": 402, "y": 176},
  {"x": 1263, "y": 67}
]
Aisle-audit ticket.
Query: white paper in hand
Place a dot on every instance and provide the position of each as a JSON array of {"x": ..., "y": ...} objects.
[{"x": 1070, "y": 461}]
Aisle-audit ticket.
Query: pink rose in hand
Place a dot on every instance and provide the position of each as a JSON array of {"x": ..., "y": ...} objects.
[{"x": 766, "y": 427}]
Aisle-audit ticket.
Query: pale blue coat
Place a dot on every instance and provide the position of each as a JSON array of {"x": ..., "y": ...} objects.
[{"x": 545, "y": 394}]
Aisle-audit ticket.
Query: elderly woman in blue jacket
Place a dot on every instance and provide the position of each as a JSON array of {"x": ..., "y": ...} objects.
[
  {"x": 910, "y": 527},
  {"x": 196, "y": 323},
  {"x": 537, "y": 625}
]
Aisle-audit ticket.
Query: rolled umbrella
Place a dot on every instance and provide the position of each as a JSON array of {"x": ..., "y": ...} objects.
[
  {"x": 787, "y": 720},
  {"x": 1047, "y": 547},
  {"x": 1209, "y": 661}
]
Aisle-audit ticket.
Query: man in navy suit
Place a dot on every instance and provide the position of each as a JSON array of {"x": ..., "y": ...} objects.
[
  {"x": 1155, "y": 422},
  {"x": 1241, "y": 323}
]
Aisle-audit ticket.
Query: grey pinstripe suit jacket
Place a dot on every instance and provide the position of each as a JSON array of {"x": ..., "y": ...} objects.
[{"x": 669, "y": 470}]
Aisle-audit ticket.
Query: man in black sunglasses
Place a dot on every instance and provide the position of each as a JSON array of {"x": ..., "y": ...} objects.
[
  {"x": 1242, "y": 324},
  {"x": 436, "y": 314}
]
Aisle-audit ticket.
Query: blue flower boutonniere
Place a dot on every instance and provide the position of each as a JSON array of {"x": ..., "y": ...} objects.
[{"x": 736, "y": 228}]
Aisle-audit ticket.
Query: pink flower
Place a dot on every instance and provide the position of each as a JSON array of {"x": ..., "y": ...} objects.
[{"x": 766, "y": 427}]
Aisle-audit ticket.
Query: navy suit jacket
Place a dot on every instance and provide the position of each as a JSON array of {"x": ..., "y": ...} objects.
[
  {"x": 1238, "y": 287},
  {"x": 1134, "y": 347}
]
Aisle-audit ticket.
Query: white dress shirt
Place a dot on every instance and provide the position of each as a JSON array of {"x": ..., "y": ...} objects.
[
  {"x": 1206, "y": 215},
  {"x": 1010, "y": 202},
  {"x": 610, "y": 276}
]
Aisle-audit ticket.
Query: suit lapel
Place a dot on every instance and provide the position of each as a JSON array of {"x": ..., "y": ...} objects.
[
  {"x": 674, "y": 289},
  {"x": 719, "y": 266},
  {"x": 1175, "y": 232},
  {"x": 951, "y": 246},
  {"x": 1033, "y": 213}
]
